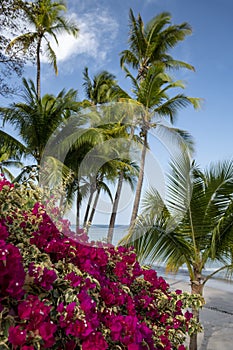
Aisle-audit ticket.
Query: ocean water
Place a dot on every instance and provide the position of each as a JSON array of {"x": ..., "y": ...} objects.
[{"x": 99, "y": 233}]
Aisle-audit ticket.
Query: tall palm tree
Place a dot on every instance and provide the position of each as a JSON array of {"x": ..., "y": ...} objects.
[
  {"x": 153, "y": 94},
  {"x": 35, "y": 119},
  {"x": 193, "y": 226},
  {"x": 148, "y": 54},
  {"x": 47, "y": 20}
]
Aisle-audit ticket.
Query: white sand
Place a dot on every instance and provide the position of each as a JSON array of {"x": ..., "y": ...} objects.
[{"x": 217, "y": 314}]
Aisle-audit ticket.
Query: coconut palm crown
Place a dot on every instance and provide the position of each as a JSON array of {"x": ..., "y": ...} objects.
[{"x": 149, "y": 44}]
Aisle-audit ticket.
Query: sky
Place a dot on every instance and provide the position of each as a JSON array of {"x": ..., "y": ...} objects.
[{"x": 103, "y": 35}]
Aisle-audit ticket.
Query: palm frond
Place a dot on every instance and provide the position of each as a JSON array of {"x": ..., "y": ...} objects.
[
  {"x": 173, "y": 105},
  {"x": 175, "y": 139},
  {"x": 52, "y": 57}
]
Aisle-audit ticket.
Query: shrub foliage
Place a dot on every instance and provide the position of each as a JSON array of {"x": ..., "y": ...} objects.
[{"x": 60, "y": 291}]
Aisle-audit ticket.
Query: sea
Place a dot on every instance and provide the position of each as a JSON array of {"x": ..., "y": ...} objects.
[
  {"x": 220, "y": 280},
  {"x": 99, "y": 232}
]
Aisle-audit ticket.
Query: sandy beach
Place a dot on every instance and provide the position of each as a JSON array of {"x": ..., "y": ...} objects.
[{"x": 216, "y": 315}]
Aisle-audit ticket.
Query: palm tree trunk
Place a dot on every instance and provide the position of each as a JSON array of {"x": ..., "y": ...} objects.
[
  {"x": 196, "y": 288},
  {"x": 139, "y": 184},
  {"x": 92, "y": 191},
  {"x": 93, "y": 208},
  {"x": 38, "y": 89},
  {"x": 78, "y": 204},
  {"x": 114, "y": 208}
]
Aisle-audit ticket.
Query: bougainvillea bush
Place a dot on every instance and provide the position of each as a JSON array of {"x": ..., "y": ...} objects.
[{"x": 58, "y": 291}]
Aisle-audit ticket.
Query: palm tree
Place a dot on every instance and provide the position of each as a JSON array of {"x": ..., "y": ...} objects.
[
  {"x": 149, "y": 45},
  {"x": 99, "y": 90},
  {"x": 36, "y": 119},
  {"x": 101, "y": 185},
  {"x": 148, "y": 54},
  {"x": 103, "y": 88},
  {"x": 152, "y": 94},
  {"x": 86, "y": 136},
  {"x": 128, "y": 172},
  {"x": 97, "y": 184},
  {"x": 193, "y": 226},
  {"x": 47, "y": 20}
]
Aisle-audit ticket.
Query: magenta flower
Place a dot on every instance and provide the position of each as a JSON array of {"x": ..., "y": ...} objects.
[
  {"x": 133, "y": 347},
  {"x": 95, "y": 341},
  {"x": 17, "y": 336},
  {"x": 4, "y": 182},
  {"x": 74, "y": 279},
  {"x": 47, "y": 330},
  {"x": 188, "y": 315},
  {"x": 34, "y": 311},
  {"x": 42, "y": 276},
  {"x": 181, "y": 347},
  {"x": 12, "y": 273}
]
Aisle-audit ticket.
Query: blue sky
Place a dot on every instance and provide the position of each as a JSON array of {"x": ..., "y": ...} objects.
[{"x": 103, "y": 35}]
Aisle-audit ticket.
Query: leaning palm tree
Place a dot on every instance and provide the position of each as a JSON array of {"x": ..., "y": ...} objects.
[
  {"x": 47, "y": 21},
  {"x": 97, "y": 184},
  {"x": 192, "y": 226},
  {"x": 128, "y": 171},
  {"x": 101, "y": 185}
]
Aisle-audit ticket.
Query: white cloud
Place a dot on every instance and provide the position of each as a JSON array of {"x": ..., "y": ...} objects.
[{"x": 97, "y": 30}]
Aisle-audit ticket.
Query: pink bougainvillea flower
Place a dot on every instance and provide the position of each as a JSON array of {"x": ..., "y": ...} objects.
[
  {"x": 188, "y": 315},
  {"x": 95, "y": 341},
  {"x": 17, "y": 336},
  {"x": 87, "y": 304},
  {"x": 12, "y": 273},
  {"x": 178, "y": 291},
  {"x": 34, "y": 311},
  {"x": 47, "y": 330},
  {"x": 42, "y": 276},
  {"x": 4, "y": 182},
  {"x": 133, "y": 347},
  {"x": 74, "y": 279},
  {"x": 60, "y": 307}
]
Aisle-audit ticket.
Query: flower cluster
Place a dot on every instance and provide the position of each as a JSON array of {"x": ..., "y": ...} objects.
[
  {"x": 35, "y": 317},
  {"x": 61, "y": 292}
]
